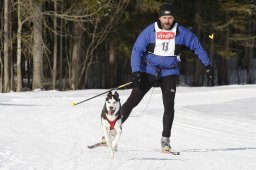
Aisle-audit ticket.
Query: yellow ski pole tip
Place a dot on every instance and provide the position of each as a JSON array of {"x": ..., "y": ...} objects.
[{"x": 73, "y": 103}]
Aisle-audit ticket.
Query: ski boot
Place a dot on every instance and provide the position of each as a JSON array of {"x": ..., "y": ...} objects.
[{"x": 165, "y": 144}]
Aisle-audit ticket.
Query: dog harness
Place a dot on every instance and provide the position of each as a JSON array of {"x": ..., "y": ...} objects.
[{"x": 112, "y": 123}]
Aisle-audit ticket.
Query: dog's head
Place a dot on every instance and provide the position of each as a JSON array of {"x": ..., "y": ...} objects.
[{"x": 112, "y": 103}]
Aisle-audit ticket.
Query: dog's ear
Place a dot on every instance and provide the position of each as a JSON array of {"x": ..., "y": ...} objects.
[
  {"x": 116, "y": 94},
  {"x": 109, "y": 94}
]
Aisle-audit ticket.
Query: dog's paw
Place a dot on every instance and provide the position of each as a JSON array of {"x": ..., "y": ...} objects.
[
  {"x": 114, "y": 148},
  {"x": 111, "y": 154}
]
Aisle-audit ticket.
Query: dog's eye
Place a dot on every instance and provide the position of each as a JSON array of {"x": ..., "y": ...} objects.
[{"x": 108, "y": 102}]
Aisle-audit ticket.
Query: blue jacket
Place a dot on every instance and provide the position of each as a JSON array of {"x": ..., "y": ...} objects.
[{"x": 143, "y": 60}]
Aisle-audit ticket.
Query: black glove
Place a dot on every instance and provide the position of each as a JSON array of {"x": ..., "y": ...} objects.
[
  {"x": 136, "y": 80},
  {"x": 209, "y": 72}
]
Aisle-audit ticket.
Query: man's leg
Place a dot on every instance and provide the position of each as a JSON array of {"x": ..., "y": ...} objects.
[
  {"x": 168, "y": 87},
  {"x": 136, "y": 95}
]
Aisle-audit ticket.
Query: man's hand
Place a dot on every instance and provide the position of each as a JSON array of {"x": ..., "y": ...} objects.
[
  {"x": 136, "y": 80},
  {"x": 209, "y": 72}
]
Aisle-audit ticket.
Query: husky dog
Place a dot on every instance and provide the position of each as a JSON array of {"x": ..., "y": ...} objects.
[{"x": 111, "y": 121}]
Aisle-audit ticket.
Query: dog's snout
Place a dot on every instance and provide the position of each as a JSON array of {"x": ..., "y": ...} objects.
[{"x": 111, "y": 107}]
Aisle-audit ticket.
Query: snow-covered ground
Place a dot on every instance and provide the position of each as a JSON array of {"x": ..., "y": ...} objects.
[{"x": 214, "y": 128}]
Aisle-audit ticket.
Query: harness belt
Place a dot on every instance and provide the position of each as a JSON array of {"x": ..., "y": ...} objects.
[
  {"x": 112, "y": 123},
  {"x": 172, "y": 66}
]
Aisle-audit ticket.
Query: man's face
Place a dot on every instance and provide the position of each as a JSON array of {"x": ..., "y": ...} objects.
[{"x": 166, "y": 22}]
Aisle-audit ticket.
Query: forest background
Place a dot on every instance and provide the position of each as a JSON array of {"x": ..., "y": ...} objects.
[{"x": 81, "y": 44}]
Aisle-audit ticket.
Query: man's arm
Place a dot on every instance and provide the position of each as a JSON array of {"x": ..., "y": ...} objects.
[
  {"x": 191, "y": 41},
  {"x": 139, "y": 48}
]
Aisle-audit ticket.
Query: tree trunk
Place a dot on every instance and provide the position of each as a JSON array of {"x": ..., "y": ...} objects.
[
  {"x": 6, "y": 47},
  {"x": 60, "y": 50},
  {"x": 19, "y": 74},
  {"x": 211, "y": 54},
  {"x": 112, "y": 65},
  {"x": 54, "y": 74},
  {"x": 37, "y": 49},
  {"x": 251, "y": 50},
  {"x": 75, "y": 57},
  {"x": 198, "y": 31},
  {"x": 227, "y": 43},
  {"x": 1, "y": 72},
  {"x": 11, "y": 64}
]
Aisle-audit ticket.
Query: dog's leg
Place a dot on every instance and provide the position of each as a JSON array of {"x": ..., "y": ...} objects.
[
  {"x": 108, "y": 141},
  {"x": 117, "y": 137}
]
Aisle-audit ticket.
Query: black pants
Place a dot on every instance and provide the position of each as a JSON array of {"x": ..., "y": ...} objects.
[{"x": 168, "y": 87}]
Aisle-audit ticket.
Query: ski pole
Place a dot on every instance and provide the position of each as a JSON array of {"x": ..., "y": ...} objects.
[{"x": 119, "y": 87}]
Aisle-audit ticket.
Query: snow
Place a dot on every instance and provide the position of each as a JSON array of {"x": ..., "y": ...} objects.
[{"x": 214, "y": 129}]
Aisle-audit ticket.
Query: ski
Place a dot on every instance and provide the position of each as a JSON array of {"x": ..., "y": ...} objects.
[
  {"x": 171, "y": 152},
  {"x": 96, "y": 145},
  {"x": 99, "y": 144}
]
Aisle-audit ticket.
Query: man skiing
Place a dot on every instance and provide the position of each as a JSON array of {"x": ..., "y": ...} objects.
[{"x": 154, "y": 58}]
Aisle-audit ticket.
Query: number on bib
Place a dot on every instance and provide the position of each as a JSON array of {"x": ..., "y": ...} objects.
[{"x": 165, "y": 46}]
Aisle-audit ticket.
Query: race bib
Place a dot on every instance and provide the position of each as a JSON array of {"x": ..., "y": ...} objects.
[{"x": 165, "y": 41}]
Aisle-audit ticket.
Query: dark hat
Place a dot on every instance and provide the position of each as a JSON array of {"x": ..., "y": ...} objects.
[{"x": 166, "y": 10}]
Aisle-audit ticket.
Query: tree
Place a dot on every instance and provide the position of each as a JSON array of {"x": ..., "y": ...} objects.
[
  {"x": 96, "y": 23},
  {"x": 1, "y": 47},
  {"x": 55, "y": 48},
  {"x": 77, "y": 44},
  {"x": 238, "y": 29},
  {"x": 75, "y": 56},
  {"x": 37, "y": 47},
  {"x": 6, "y": 47},
  {"x": 19, "y": 74}
]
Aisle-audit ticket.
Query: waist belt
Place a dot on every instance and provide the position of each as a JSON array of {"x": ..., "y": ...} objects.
[{"x": 172, "y": 66}]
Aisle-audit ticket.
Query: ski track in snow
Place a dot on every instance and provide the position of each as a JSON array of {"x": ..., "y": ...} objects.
[{"x": 214, "y": 129}]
